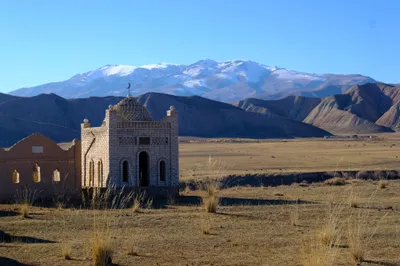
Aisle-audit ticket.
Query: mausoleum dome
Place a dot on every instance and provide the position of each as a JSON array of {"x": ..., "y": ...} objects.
[{"x": 132, "y": 110}]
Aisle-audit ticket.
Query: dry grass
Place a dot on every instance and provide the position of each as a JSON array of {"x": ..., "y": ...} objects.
[
  {"x": 288, "y": 156},
  {"x": 314, "y": 253},
  {"x": 66, "y": 251},
  {"x": 101, "y": 250},
  {"x": 251, "y": 228},
  {"x": 294, "y": 215},
  {"x": 382, "y": 184},
  {"x": 24, "y": 210},
  {"x": 205, "y": 227}
]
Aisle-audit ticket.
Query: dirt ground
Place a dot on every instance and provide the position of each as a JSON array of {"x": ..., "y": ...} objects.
[{"x": 253, "y": 226}]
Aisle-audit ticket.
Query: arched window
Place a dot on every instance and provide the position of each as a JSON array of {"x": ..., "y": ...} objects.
[
  {"x": 162, "y": 171},
  {"x": 125, "y": 171},
  {"x": 36, "y": 173},
  {"x": 56, "y": 176},
  {"x": 91, "y": 173},
  {"x": 15, "y": 177},
  {"x": 100, "y": 173}
]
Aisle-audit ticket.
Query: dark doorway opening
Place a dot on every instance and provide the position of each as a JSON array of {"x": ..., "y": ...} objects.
[
  {"x": 125, "y": 171},
  {"x": 144, "y": 169}
]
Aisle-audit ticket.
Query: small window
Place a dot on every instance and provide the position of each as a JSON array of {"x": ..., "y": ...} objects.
[
  {"x": 91, "y": 173},
  {"x": 37, "y": 149},
  {"x": 36, "y": 173},
  {"x": 125, "y": 171},
  {"x": 100, "y": 173},
  {"x": 56, "y": 176},
  {"x": 162, "y": 171},
  {"x": 144, "y": 140},
  {"x": 15, "y": 177}
]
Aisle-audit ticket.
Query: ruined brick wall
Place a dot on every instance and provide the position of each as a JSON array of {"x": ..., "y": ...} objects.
[{"x": 38, "y": 150}]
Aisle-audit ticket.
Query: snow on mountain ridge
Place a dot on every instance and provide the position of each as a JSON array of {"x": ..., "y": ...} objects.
[{"x": 228, "y": 80}]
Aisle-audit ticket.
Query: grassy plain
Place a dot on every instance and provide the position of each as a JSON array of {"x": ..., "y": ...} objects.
[
  {"x": 299, "y": 155},
  {"x": 252, "y": 226}
]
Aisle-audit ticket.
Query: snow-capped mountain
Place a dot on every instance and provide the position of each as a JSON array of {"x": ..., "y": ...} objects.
[{"x": 224, "y": 81}]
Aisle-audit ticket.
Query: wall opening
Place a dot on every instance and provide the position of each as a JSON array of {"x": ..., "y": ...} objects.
[
  {"x": 125, "y": 171},
  {"x": 91, "y": 173},
  {"x": 56, "y": 175},
  {"x": 100, "y": 173},
  {"x": 15, "y": 177},
  {"x": 162, "y": 171},
  {"x": 144, "y": 140},
  {"x": 144, "y": 169},
  {"x": 36, "y": 173}
]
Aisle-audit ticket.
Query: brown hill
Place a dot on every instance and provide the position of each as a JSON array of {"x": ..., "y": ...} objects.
[
  {"x": 60, "y": 119},
  {"x": 368, "y": 108}
]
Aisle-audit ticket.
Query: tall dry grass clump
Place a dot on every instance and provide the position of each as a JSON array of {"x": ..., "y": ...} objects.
[
  {"x": 100, "y": 242},
  {"x": 361, "y": 231},
  {"x": 314, "y": 253},
  {"x": 210, "y": 198},
  {"x": 66, "y": 252},
  {"x": 210, "y": 186},
  {"x": 382, "y": 184},
  {"x": 26, "y": 197},
  {"x": 329, "y": 235}
]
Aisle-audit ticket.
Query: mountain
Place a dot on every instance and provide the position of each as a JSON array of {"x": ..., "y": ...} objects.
[
  {"x": 226, "y": 81},
  {"x": 60, "y": 118},
  {"x": 367, "y": 108}
]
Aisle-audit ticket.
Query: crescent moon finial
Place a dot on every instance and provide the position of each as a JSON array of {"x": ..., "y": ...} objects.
[{"x": 129, "y": 89}]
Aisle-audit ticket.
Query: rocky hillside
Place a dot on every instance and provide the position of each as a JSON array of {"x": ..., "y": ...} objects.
[
  {"x": 60, "y": 118},
  {"x": 225, "y": 81},
  {"x": 368, "y": 108}
]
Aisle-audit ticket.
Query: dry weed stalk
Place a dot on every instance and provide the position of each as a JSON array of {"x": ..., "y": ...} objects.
[
  {"x": 314, "y": 253},
  {"x": 100, "y": 242},
  {"x": 205, "y": 227},
  {"x": 360, "y": 232},
  {"x": 294, "y": 215},
  {"x": 66, "y": 251},
  {"x": 330, "y": 234}
]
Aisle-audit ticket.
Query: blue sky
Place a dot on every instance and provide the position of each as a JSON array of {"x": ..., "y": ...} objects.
[{"x": 45, "y": 40}]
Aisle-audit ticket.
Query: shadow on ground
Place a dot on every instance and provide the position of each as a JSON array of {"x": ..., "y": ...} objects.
[
  {"x": 381, "y": 263},
  {"x": 227, "y": 201},
  {"x": 7, "y": 238},
  {"x": 10, "y": 262},
  {"x": 8, "y": 213}
]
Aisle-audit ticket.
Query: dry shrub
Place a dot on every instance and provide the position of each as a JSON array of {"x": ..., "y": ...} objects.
[
  {"x": 210, "y": 200},
  {"x": 66, "y": 252},
  {"x": 205, "y": 227},
  {"x": 314, "y": 253},
  {"x": 336, "y": 181},
  {"x": 101, "y": 241},
  {"x": 101, "y": 250},
  {"x": 24, "y": 210},
  {"x": 382, "y": 184},
  {"x": 353, "y": 200}
]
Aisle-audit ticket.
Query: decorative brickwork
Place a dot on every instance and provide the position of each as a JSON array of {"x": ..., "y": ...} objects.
[{"x": 134, "y": 150}]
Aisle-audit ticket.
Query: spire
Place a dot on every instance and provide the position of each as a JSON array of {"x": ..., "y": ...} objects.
[{"x": 129, "y": 89}]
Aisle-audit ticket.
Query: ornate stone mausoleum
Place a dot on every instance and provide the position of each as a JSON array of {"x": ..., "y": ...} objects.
[{"x": 131, "y": 150}]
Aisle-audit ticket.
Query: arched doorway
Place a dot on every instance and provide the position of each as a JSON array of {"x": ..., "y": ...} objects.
[{"x": 144, "y": 169}]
